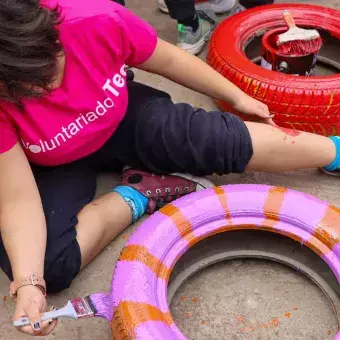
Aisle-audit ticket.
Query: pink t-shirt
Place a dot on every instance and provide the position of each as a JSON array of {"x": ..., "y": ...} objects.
[{"x": 99, "y": 38}]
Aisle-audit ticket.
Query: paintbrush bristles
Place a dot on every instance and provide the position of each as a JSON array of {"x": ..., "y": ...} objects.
[
  {"x": 101, "y": 305},
  {"x": 298, "y": 41},
  {"x": 297, "y": 34},
  {"x": 298, "y": 48}
]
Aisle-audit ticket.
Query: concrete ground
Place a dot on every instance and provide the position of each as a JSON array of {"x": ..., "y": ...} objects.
[{"x": 245, "y": 299}]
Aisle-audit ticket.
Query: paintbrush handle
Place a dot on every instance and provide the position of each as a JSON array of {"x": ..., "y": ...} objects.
[
  {"x": 67, "y": 312},
  {"x": 289, "y": 19}
]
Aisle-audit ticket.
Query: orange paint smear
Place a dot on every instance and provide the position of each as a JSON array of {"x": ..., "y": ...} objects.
[
  {"x": 141, "y": 254},
  {"x": 273, "y": 323},
  {"x": 273, "y": 205},
  {"x": 290, "y": 132},
  {"x": 328, "y": 229},
  {"x": 183, "y": 225},
  {"x": 222, "y": 197},
  {"x": 129, "y": 315}
]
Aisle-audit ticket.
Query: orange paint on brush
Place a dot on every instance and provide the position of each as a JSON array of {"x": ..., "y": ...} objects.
[
  {"x": 222, "y": 197},
  {"x": 328, "y": 229},
  {"x": 183, "y": 225},
  {"x": 128, "y": 315},
  {"x": 273, "y": 205},
  {"x": 141, "y": 254}
]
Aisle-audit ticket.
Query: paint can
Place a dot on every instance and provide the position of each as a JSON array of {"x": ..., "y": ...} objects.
[{"x": 274, "y": 61}]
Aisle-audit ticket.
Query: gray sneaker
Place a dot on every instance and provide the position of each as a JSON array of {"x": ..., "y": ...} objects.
[{"x": 193, "y": 42}]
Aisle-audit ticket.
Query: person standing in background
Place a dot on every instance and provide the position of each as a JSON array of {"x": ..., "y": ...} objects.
[{"x": 195, "y": 24}]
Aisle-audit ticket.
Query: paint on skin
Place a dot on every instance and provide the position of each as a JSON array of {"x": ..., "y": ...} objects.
[{"x": 290, "y": 132}]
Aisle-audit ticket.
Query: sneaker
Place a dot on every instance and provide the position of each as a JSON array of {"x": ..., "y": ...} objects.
[
  {"x": 218, "y": 6},
  {"x": 193, "y": 42},
  {"x": 162, "y": 189}
]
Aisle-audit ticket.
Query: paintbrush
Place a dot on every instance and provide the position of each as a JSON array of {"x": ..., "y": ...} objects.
[
  {"x": 95, "y": 305},
  {"x": 298, "y": 41}
]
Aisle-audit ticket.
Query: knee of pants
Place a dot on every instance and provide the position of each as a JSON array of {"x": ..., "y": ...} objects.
[
  {"x": 192, "y": 140},
  {"x": 60, "y": 271}
]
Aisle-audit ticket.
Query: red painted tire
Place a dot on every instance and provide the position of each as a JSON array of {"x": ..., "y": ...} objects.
[{"x": 307, "y": 104}]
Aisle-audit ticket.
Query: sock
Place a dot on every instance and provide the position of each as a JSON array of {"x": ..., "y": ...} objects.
[
  {"x": 136, "y": 201},
  {"x": 192, "y": 22},
  {"x": 335, "y": 165}
]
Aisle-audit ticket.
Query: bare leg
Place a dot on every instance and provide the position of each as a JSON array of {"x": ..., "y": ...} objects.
[
  {"x": 278, "y": 149},
  {"x": 275, "y": 149},
  {"x": 99, "y": 223}
]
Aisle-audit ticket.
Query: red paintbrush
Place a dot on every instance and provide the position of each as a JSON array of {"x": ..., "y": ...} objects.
[{"x": 297, "y": 41}]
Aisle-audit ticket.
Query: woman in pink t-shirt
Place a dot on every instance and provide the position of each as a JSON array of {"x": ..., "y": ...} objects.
[{"x": 68, "y": 111}]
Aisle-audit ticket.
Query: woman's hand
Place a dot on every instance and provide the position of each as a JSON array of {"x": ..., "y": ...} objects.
[
  {"x": 32, "y": 303},
  {"x": 250, "y": 106},
  {"x": 187, "y": 70}
]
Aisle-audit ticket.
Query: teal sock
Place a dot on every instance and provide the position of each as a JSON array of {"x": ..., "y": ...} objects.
[
  {"x": 335, "y": 165},
  {"x": 136, "y": 201}
]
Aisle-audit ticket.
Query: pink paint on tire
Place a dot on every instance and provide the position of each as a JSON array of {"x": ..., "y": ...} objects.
[{"x": 139, "y": 286}]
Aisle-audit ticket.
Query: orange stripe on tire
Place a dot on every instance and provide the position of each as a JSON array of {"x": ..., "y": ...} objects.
[
  {"x": 222, "y": 197},
  {"x": 183, "y": 225},
  {"x": 128, "y": 315},
  {"x": 273, "y": 205},
  {"x": 142, "y": 254},
  {"x": 328, "y": 229}
]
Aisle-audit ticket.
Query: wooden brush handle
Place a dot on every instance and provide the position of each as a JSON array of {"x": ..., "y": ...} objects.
[{"x": 289, "y": 19}]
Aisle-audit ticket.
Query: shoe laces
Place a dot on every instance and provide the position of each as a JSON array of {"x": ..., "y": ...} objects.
[{"x": 163, "y": 198}]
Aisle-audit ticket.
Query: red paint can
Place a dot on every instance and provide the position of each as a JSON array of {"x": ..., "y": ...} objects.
[{"x": 274, "y": 61}]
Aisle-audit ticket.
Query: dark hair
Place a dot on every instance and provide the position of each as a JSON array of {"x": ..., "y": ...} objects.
[{"x": 29, "y": 47}]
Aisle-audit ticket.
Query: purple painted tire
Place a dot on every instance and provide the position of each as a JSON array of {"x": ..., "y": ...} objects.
[{"x": 139, "y": 286}]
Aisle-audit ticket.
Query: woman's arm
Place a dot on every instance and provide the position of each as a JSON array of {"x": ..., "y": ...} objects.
[
  {"x": 23, "y": 230},
  {"x": 22, "y": 221},
  {"x": 183, "y": 68}
]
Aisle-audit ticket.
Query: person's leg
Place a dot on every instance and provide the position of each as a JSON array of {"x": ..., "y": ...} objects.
[
  {"x": 278, "y": 149},
  {"x": 164, "y": 137}
]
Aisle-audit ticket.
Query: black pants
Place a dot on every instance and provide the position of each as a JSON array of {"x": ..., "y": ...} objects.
[
  {"x": 155, "y": 135},
  {"x": 184, "y": 9}
]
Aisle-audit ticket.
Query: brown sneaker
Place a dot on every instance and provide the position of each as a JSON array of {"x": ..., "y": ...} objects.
[{"x": 163, "y": 189}]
